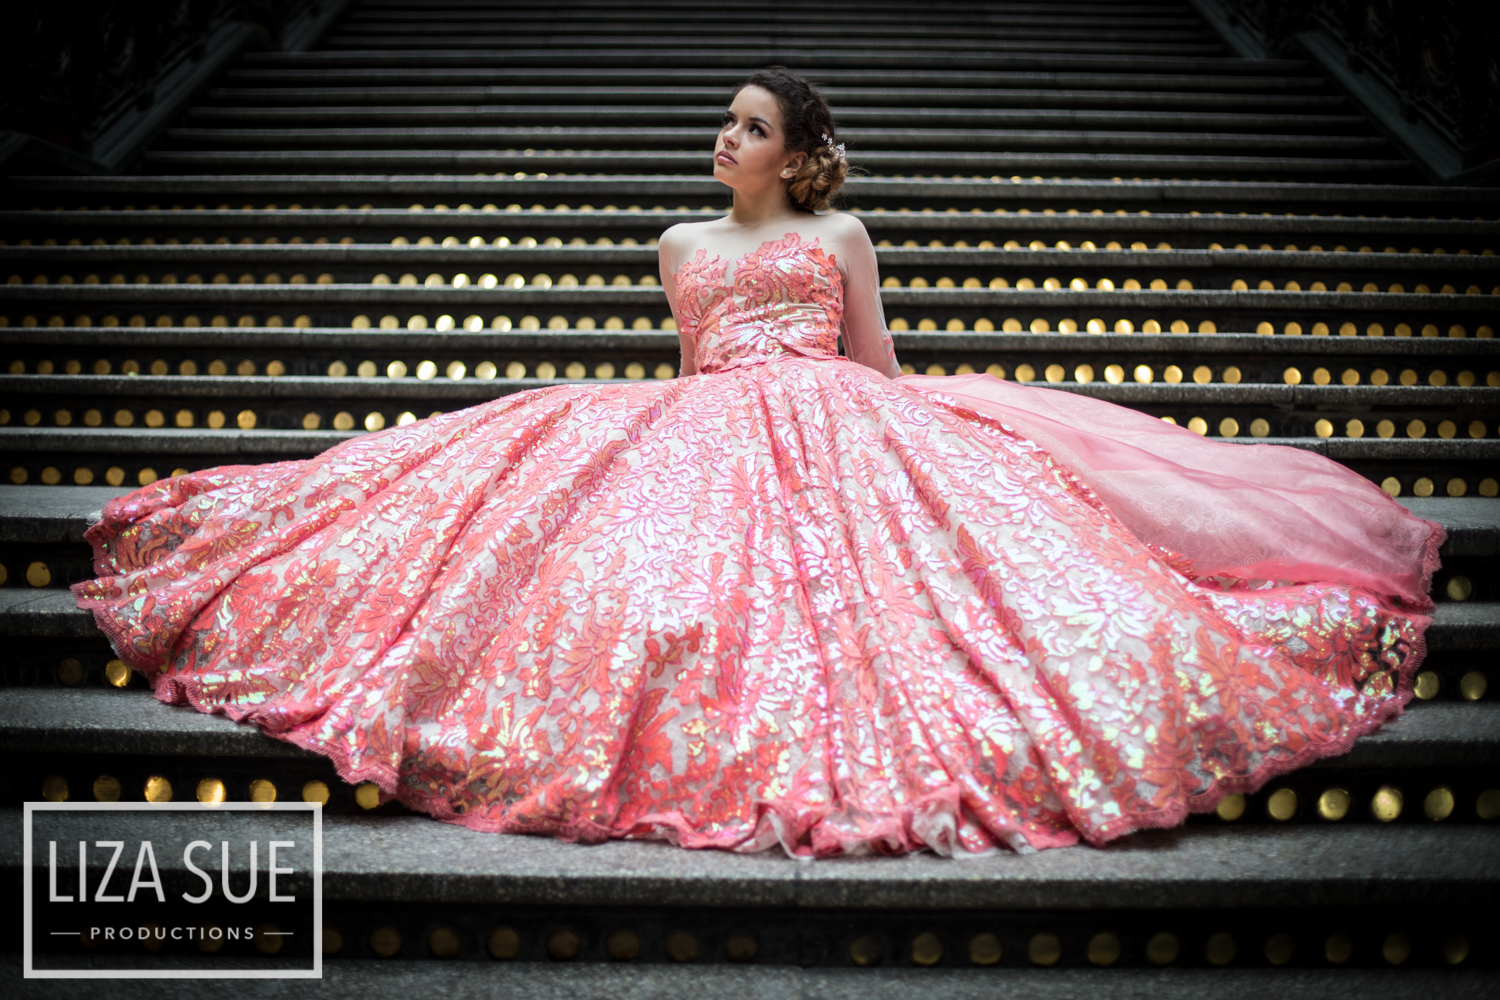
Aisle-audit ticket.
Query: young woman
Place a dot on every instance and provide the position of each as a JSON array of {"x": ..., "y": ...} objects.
[{"x": 791, "y": 597}]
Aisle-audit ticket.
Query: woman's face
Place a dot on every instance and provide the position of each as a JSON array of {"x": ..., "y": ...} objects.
[{"x": 750, "y": 153}]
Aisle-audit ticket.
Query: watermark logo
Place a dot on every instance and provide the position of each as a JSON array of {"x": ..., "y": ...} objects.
[{"x": 173, "y": 890}]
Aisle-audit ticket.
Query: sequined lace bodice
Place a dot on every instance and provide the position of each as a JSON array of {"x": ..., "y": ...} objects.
[{"x": 785, "y": 298}]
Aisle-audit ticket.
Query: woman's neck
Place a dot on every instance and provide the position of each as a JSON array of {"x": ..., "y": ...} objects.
[{"x": 753, "y": 209}]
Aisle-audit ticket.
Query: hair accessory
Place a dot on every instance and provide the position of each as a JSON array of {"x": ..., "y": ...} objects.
[{"x": 839, "y": 149}]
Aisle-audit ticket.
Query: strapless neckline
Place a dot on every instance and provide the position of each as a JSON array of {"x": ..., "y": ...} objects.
[{"x": 701, "y": 258}]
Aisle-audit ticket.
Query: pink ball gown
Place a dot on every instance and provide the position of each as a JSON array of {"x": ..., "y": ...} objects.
[{"x": 782, "y": 601}]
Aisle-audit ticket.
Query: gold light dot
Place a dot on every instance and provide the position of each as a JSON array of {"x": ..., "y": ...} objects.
[
  {"x": 1260, "y": 427},
  {"x": 38, "y": 574},
  {"x": 343, "y": 421},
  {"x": 1472, "y": 685},
  {"x": 1163, "y": 948},
  {"x": 1438, "y": 805},
  {"x": 315, "y": 791},
  {"x": 1422, "y": 487},
  {"x": 443, "y": 942},
  {"x": 1229, "y": 427},
  {"x": 1427, "y": 686},
  {"x": 563, "y": 944},
  {"x": 1396, "y": 948},
  {"x": 1333, "y": 805},
  {"x": 926, "y": 949},
  {"x": 117, "y": 673},
  {"x": 158, "y": 789},
  {"x": 374, "y": 421},
  {"x": 106, "y": 788},
  {"x": 1338, "y": 949},
  {"x": 1172, "y": 375},
  {"x": 1044, "y": 949},
  {"x": 1459, "y": 588},
  {"x": 1055, "y": 373},
  {"x": 1292, "y": 376},
  {"x": 1198, "y": 425},
  {"x": 1455, "y": 949},
  {"x": 1387, "y": 804},
  {"x": 367, "y": 795},
  {"x": 385, "y": 941},
  {"x": 985, "y": 949},
  {"x": 1025, "y": 373},
  {"x": 1143, "y": 373},
  {"x": 740, "y": 947},
  {"x": 1280, "y": 949},
  {"x": 867, "y": 950},
  {"x": 1282, "y": 805},
  {"x": 55, "y": 788},
  {"x": 70, "y": 672},
  {"x": 548, "y": 370},
  {"x": 1083, "y": 374},
  {"x": 1203, "y": 375},
  {"x": 1231, "y": 807},
  {"x": 262, "y": 790},
  {"x": 1104, "y": 948},
  {"x": 1323, "y": 428},
  {"x": 1221, "y": 948},
  {"x": 210, "y": 791},
  {"x": 503, "y": 943}
]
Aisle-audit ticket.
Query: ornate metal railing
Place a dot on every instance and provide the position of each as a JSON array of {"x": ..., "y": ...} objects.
[{"x": 1428, "y": 72}]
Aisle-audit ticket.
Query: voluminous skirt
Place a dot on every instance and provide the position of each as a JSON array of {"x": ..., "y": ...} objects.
[{"x": 791, "y": 603}]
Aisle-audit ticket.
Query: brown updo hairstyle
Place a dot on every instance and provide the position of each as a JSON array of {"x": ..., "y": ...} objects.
[{"x": 805, "y": 120}]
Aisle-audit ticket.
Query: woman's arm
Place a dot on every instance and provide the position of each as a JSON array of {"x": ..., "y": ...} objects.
[
  {"x": 866, "y": 340},
  {"x": 666, "y": 258}
]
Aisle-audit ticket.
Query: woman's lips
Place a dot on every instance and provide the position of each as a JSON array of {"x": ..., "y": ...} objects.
[{"x": 725, "y": 158}]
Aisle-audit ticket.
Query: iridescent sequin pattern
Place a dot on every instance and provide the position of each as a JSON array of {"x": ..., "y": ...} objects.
[{"x": 785, "y": 601}]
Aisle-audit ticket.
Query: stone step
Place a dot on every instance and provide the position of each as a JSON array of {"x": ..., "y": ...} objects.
[
  {"x": 1230, "y": 311},
  {"x": 873, "y": 146},
  {"x": 105, "y": 721},
  {"x": 350, "y": 264},
  {"x": 735, "y": 64},
  {"x": 32, "y": 612},
  {"x": 885, "y": 125},
  {"x": 341, "y": 70},
  {"x": 560, "y": 981},
  {"x": 415, "y": 860},
  {"x": 1320, "y": 209},
  {"x": 116, "y": 455},
  {"x": 362, "y": 160},
  {"x": 1286, "y": 411},
  {"x": 1023, "y": 93}
]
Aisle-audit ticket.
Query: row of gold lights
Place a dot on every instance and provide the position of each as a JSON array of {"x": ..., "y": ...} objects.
[
  {"x": 563, "y": 208},
  {"x": 899, "y": 324},
  {"x": 1334, "y": 805},
  {"x": 71, "y": 672},
  {"x": 426, "y": 370},
  {"x": 185, "y": 419},
  {"x": 115, "y": 475},
  {"x": 1044, "y": 949},
  {"x": 1385, "y": 806},
  {"x": 984, "y": 949},
  {"x": 569, "y": 280}
]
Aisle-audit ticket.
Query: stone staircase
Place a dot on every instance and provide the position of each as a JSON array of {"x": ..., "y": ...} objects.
[{"x": 446, "y": 202}]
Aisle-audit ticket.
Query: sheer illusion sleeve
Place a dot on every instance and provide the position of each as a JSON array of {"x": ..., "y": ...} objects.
[
  {"x": 866, "y": 340},
  {"x": 666, "y": 257}
]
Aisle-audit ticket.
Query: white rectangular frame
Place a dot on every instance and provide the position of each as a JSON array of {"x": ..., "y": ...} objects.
[{"x": 316, "y": 972}]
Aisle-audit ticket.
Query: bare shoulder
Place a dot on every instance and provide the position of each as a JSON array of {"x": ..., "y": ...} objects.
[
  {"x": 845, "y": 229},
  {"x": 677, "y": 242}
]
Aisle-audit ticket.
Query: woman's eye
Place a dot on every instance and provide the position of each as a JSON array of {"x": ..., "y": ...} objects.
[{"x": 757, "y": 130}]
